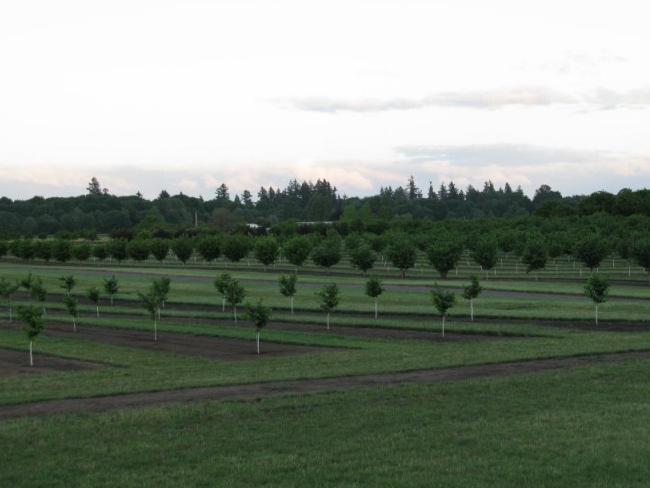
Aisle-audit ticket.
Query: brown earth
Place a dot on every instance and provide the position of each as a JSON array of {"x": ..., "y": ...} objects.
[
  {"x": 301, "y": 387},
  {"x": 16, "y": 363}
]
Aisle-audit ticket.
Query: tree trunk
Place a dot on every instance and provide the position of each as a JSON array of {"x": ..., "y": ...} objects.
[
  {"x": 97, "y": 310},
  {"x": 328, "y": 321},
  {"x": 375, "y": 308},
  {"x": 443, "y": 326},
  {"x": 234, "y": 311},
  {"x": 11, "y": 317},
  {"x": 155, "y": 330},
  {"x": 596, "y": 314},
  {"x": 223, "y": 305},
  {"x": 471, "y": 306},
  {"x": 31, "y": 357},
  {"x": 74, "y": 325},
  {"x": 443, "y": 275},
  {"x": 258, "y": 343},
  {"x": 111, "y": 300},
  {"x": 291, "y": 304}
]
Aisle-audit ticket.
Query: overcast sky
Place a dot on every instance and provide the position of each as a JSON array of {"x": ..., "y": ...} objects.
[{"x": 183, "y": 95}]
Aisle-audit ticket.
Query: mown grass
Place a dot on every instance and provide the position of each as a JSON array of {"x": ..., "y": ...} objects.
[{"x": 579, "y": 428}]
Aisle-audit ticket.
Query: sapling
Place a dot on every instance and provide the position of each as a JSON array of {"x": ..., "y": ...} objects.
[
  {"x": 221, "y": 284},
  {"x": 235, "y": 294},
  {"x": 374, "y": 288},
  {"x": 161, "y": 288},
  {"x": 149, "y": 301},
  {"x": 260, "y": 316},
  {"x": 68, "y": 283},
  {"x": 71, "y": 306},
  {"x": 111, "y": 287},
  {"x": 597, "y": 288},
  {"x": 288, "y": 287},
  {"x": 93, "y": 295},
  {"x": 26, "y": 282},
  {"x": 472, "y": 291},
  {"x": 443, "y": 301},
  {"x": 6, "y": 290},
  {"x": 329, "y": 299},
  {"x": 38, "y": 291},
  {"x": 32, "y": 327}
]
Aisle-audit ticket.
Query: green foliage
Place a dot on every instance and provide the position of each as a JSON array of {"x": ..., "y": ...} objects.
[
  {"x": 329, "y": 296},
  {"x": 117, "y": 249},
  {"x": 68, "y": 283},
  {"x": 288, "y": 285},
  {"x": 535, "y": 255},
  {"x": 266, "y": 250},
  {"x": 159, "y": 249},
  {"x": 161, "y": 288},
  {"x": 597, "y": 288},
  {"x": 32, "y": 318},
  {"x": 402, "y": 253},
  {"x": 37, "y": 290},
  {"x": 485, "y": 253},
  {"x": 640, "y": 252},
  {"x": 182, "y": 248},
  {"x": 327, "y": 253},
  {"x": 43, "y": 250},
  {"x": 62, "y": 250},
  {"x": 374, "y": 287},
  {"x": 81, "y": 252},
  {"x": 236, "y": 248},
  {"x": 442, "y": 300},
  {"x": 111, "y": 286},
  {"x": 93, "y": 294},
  {"x": 100, "y": 251},
  {"x": 259, "y": 314},
  {"x": 27, "y": 281},
  {"x": 209, "y": 248},
  {"x": 591, "y": 251},
  {"x": 473, "y": 290},
  {"x": 70, "y": 305},
  {"x": 363, "y": 257},
  {"x": 297, "y": 250},
  {"x": 444, "y": 254},
  {"x": 149, "y": 301},
  {"x": 138, "y": 250}
]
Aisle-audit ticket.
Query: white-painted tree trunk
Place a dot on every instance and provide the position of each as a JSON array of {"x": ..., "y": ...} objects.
[
  {"x": 258, "y": 343},
  {"x": 471, "y": 306},
  {"x": 223, "y": 305},
  {"x": 375, "y": 308},
  {"x": 443, "y": 326},
  {"x": 98, "y": 310},
  {"x": 74, "y": 325},
  {"x": 11, "y": 317},
  {"x": 328, "y": 321},
  {"x": 291, "y": 304},
  {"x": 31, "y": 356},
  {"x": 155, "y": 330},
  {"x": 596, "y": 314},
  {"x": 234, "y": 311},
  {"x": 111, "y": 300}
]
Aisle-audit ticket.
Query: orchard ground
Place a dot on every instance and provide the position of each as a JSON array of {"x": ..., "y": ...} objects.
[{"x": 529, "y": 393}]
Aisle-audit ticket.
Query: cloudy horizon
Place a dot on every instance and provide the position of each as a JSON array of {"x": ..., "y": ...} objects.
[{"x": 183, "y": 96}]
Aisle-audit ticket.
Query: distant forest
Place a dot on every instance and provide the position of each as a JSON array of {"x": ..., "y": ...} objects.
[{"x": 97, "y": 211}]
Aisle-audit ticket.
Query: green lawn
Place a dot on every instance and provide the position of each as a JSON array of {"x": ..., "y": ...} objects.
[{"x": 577, "y": 428}]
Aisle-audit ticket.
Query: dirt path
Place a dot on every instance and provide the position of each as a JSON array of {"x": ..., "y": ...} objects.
[
  {"x": 16, "y": 363},
  {"x": 248, "y": 392}
]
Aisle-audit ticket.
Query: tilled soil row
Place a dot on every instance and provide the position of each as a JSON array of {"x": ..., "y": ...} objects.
[{"x": 302, "y": 387}]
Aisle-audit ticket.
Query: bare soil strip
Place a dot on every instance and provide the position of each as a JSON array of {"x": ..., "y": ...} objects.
[
  {"x": 302, "y": 387},
  {"x": 16, "y": 363}
]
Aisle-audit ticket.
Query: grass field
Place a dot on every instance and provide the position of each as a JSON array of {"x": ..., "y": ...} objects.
[{"x": 574, "y": 427}]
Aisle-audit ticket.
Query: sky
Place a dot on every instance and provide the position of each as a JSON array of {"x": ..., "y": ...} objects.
[{"x": 184, "y": 95}]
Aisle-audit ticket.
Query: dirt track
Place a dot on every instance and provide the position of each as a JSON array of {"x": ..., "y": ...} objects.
[
  {"x": 16, "y": 363},
  {"x": 247, "y": 392}
]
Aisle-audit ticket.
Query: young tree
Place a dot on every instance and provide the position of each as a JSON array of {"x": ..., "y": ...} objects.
[
  {"x": 182, "y": 248},
  {"x": 68, "y": 283},
  {"x": 71, "y": 306},
  {"x": 597, "y": 288},
  {"x": 327, "y": 253},
  {"x": 260, "y": 316},
  {"x": 27, "y": 281},
  {"x": 444, "y": 255},
  {"x": 266, "y": 250},
  {"x": 374, "y": 288},
  {"x": 32, "y": 327},
  {"x": 485, "y": 254},
  {"x": 329, "y": 299},
  {"x": 159, "y": 249},
  {"x": 591, "y": 251},
  {"x": 221, "y": 284},
  {"x": 535, "y": 256},
  {"x": 7, "y": 289},
  {"x": 100, "y": 251},
  {"x": 111, "y": 287},
  {"x": 443, "y": 301},
  {"x": 138, "y": 250},
  {"x": 62, "y": 250},
  {"x": 363, "y": 258},
  {"x": 297, "y": 250},
  {"x": 117, "y": 249},
  {"x": 640, "y": 252},
  {"x": 149, "y": 301},
  {"x": 471, "y": 292},
  {"x": 235, "y": 294},
  {"x": 93, "y": 295},
  {"x": 209, "y": 248},
  {"x": 161, "y": 287},
  {"x": 81, "y": 252},
  {"x": 288, "y": 287},
  {"x": 236, "y": 248},
  {"x": 402, "y": 253},
  {"x": 38, "y": 291}
]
